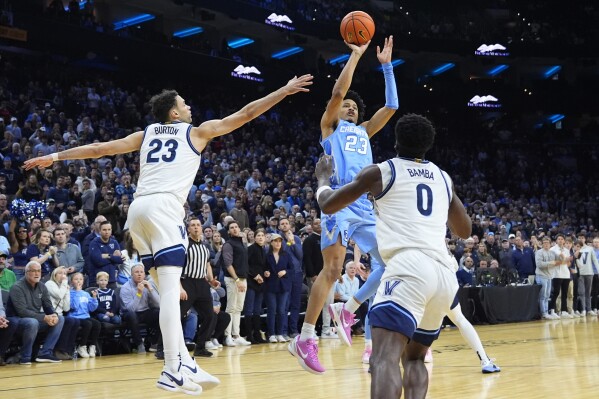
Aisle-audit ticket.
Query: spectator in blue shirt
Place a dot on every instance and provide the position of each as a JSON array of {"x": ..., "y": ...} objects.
[
  {"x": 523, "y": 259},
  {"x": 13, "y": 177},
  {"x": 82, "y": 304},
  {"x": 104, "y": 255},
  {"x": 140, "y": 304},
  {"x": 465, "y": 275},
  {"x": 59, "y": 193},
  {"x": 95, "y": 232},
  {"x": 294, "y": 248},
  {"x": 229, "y": 199},
  {"x": 126, "y": 187},
  {"x": 42, "y": 252}
]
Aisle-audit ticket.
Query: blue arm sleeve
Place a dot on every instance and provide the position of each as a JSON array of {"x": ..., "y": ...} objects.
[{"x": 391, "y": 99}]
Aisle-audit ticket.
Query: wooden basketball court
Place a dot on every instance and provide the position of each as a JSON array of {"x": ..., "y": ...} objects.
[{"x": 558, "y": 359}]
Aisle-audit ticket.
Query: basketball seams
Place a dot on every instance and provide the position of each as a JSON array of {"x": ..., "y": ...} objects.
[
  {"x": 362, "y": 14},
  {"x": 353, "y": 30},
  {"x": 345, "y": 29},
  {"x": 365, "y": 28},
  {"x": 353, "y": 24}
]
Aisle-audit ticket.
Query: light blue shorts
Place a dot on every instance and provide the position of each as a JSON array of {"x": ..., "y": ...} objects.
[{"x": 357, "y": 221}]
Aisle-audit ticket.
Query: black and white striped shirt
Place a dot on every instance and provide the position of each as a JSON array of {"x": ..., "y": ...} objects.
[{"x": 198, "y": 256}]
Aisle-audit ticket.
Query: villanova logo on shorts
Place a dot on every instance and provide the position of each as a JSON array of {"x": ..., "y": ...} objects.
[
  {"x": 390, "y": 286},
  {"x": 182, "y": 230},
  {"x": 330, "y": 223}
]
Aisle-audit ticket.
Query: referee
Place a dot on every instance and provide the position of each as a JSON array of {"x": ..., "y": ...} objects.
[{"x": 196, "y": 280}]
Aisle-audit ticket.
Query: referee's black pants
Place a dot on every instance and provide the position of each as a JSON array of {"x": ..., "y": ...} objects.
[{"x": 199, "y": 296}]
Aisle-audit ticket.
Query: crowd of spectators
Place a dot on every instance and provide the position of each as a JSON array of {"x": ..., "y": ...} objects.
[
  {"x": 540, "y": 21},
  {"x": 490, "y": 21},
  {"x": 565, "y": 267}
]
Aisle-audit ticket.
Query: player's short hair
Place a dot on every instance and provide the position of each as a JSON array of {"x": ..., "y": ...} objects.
[
  {"x": 162, "y": 103},
  {"x": 414, "y": 135},
  {"x": 101, "y": 274},
  {"x": 352, "y": 95}
]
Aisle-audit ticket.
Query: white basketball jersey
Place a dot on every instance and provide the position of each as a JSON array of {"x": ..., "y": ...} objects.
[
  {"x": 168, "y": 160},
  {"x": 412, "y": 209}
]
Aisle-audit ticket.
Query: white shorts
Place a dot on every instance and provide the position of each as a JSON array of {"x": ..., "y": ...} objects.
[
  {"x": 158, "y": 230},
  {"x": 415, "y": 294}
]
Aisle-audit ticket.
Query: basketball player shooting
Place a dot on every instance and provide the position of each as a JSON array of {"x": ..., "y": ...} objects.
[
  {"x": 346, "y": 136},
  {"x": 415, "y": 201},
  {"x": 170, "y": 155}
]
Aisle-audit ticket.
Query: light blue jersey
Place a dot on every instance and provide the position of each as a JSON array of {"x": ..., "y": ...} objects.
[{"x": 350, "y": 147}]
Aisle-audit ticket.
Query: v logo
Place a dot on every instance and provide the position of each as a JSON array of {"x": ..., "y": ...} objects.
[
  {"x": 390, "y": 286},
  {"x": 182, "y": 230},
  {"x": 329, "y": 226}
]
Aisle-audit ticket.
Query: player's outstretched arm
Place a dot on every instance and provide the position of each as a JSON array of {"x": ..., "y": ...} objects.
[
  {"x": 218, "y": 127},
  {"x": 382, "y": 116},
  {"x": 330, "y": 201},
  {"x": 96, "y": 150},
  {"x": 457, "y": 219},
  {"x": 330, "y": 118}
]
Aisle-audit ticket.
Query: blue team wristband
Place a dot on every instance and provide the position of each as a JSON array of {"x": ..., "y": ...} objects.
[{"x": 391, "y": 100}]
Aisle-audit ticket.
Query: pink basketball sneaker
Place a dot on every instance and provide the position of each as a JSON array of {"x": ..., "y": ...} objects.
[
  {"x": 344, "y": 321},
  {"x": 306, "y": 353}
]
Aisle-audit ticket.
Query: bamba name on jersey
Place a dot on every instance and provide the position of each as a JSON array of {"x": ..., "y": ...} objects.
[
  {"x": 427, "y": 174},
  {"x": 166, "y": 130}
]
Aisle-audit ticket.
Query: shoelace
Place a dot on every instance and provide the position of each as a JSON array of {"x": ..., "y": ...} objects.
[
  {"x": 350, "y": 318},
  {"x": 312, "y": 350}
]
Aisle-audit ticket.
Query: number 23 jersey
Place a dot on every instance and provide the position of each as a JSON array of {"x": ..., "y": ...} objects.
[
  {"x": 412, "y": 209},
  {"x": 350, "y": 147},
  {"x": 168, "y": 160}
]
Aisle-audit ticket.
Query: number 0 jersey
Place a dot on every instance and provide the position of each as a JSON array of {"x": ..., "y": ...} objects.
[
  {"x": 168, "y": 160},
  {"x": 350, "y": 147},
  {"x": 412, "y": 209}
]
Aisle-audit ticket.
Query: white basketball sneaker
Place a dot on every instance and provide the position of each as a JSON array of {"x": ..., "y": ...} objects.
[
  {"x": 199, "y": 376},
  {"x": 177, "y": 382}
]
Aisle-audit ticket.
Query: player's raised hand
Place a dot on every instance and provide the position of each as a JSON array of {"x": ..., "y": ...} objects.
[
  {"x": 384, "y": 55},
  {"x": 358, "y": 49},
  {"x": 44, "y": 161},
  {"x": 324, "y": 167},
  {"x": 296, "y": 84}
]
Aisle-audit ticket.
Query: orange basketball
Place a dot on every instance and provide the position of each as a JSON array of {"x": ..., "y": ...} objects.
[{"x": 357, "y": 27}]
